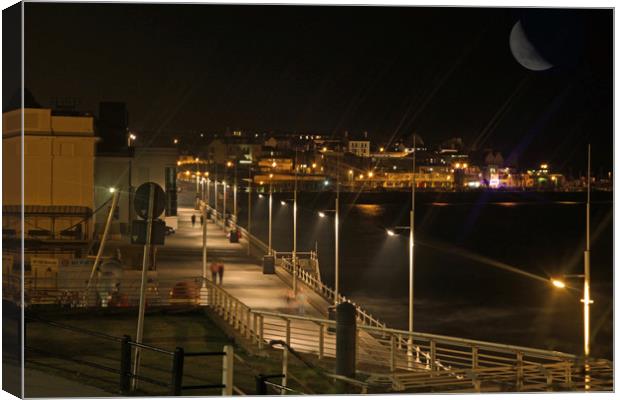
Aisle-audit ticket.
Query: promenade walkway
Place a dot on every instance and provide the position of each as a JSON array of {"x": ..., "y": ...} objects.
[{"x": 243, "y": 276}]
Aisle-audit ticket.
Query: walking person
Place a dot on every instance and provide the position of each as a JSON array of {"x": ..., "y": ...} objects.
[
  {"x": 214, "y": 270},
  {"x": 220, "y": 272},
  {"x": 301, "y": 299},
  {"x": 193, "y": 220}
]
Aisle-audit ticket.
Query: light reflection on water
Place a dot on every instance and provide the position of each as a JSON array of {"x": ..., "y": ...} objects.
[{"x": 370, "y": 210}]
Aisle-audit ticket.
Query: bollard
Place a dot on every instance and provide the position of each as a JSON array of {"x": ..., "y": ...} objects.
[
  {"x": 261, "y": 386},
  {"x": 125, "y": 376},
  {"x": 227, "y": 370},
  {"x": 177, "y": 372},
  {"x": 345, "y": 340}
]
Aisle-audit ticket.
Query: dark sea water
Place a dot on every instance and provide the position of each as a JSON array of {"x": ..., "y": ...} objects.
[{"x": 463, "y": 244}]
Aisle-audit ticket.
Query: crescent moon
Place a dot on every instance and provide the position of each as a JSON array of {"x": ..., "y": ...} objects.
[{"x": 524, "y": 51}]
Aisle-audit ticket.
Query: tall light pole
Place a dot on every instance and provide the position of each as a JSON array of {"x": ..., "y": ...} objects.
[
  {"x": 295, "y": 229},
  {"x": 224, "y": 206},
  {"x": 336, "y": 229},
  {"x": 270, "y": 209},
  {"x": 215, "y": 198},
  {"x": 586, "y": 274},
  {"x": 197, "y": 176},
  {"x": 249, "y": 208},
  {"x": 411, "y": 243}
]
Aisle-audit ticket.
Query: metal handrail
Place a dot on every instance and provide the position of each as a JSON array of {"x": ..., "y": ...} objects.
[
  {"x": 328, "y": 293},
  {"x": 435, "y": 357}
]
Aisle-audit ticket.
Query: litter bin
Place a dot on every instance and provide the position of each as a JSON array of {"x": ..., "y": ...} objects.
[
  {"x": 331, "y": 315},
  {"x": 234, "y": 236},
  {"x": 269, "y": 264}
]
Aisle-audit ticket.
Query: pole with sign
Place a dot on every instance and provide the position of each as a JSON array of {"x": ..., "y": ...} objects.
[{"x": 154, "y": 207}]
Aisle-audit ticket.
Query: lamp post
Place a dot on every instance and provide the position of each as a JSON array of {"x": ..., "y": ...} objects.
[
  {"x": 197, "y": 176},
  {"x": 230, "y": 164},
  {"x": 270, "y": 210},
  {"x": 215, "y": 198},
  {"x": 130, "y": 137},
  {"x": 224, "y": 206},
  {"x": 586, "y": 274},
  {"x": 249, "y": 207},
  {"x": 336, "y": 231},
  {"x": 411, "y": 259},
  {"x": 323, "y": 214},
  {"x": 295, "y": 229},
  {"x": 587, "y": 300}
]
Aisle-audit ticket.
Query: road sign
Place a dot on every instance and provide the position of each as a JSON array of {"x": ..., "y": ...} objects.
[
  {"x": 138, "y": 232},
  {"x": 141, "y": 200}
]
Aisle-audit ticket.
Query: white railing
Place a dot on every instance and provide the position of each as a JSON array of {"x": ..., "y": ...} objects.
[
  {"x": 363, "y": 316},
  {"x": 68, "y": 289},
  {"x": 440, "y": 362},
  {"x": 435, "y": 361}
]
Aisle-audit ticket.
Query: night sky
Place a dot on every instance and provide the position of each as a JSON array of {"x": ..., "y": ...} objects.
[{"x": 391, "y": 71}]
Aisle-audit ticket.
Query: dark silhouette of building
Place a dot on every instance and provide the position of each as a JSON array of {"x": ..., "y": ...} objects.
[{"x": 112, "y": 127}]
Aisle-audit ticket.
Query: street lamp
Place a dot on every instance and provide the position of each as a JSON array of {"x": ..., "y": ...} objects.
[
  {"x": 270, "y": 210},
  {"x": 224, "y": 186},
  {"x": 130, "y": 137},
  {"x": 230, "y": 164},
  {"x": 392, "y": 232},
  {"x": 587, "y": 300},
  {"x": 323, "y": 214}
]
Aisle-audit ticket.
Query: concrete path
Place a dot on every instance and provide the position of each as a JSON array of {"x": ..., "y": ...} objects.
[
  {"x": 181, "y": 257},
  {"x": 42, "y": 384}
]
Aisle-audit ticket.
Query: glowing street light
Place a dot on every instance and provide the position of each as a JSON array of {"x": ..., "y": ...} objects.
[
  {"x": 558, "y": 283},
  {"x": 282, "y": 202},
  {"x": 176, "y": 141},
  {"x": 112, "y": 189},
  {"x": 321, "y": 214},
  {"x": 391, "y": 232}
]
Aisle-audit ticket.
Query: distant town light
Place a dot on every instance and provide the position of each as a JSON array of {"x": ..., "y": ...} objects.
[
  {"x": 273, "y": 164},
  {"x": 326, "y": 182},
  {"x": 313, "y": 165},
  {"x": 464, "y": 165},
  {"x": 350, "y": 172},
  {"x": 187, "y": 172},
  {"x": 260, "y": 196},
  {"x": 229, "y": 164},
  {"x": 270, "y": 176},
  {"x": 176, "y": 141},
  {"x": 178, "y": 162},
  {"x": 361, "y": 176},
  {"x": 370, "y": 174},
  {"x": 324, "y": 148},
  {"x": 544, "y": 166},
  {"x": 381, "y": 149}
]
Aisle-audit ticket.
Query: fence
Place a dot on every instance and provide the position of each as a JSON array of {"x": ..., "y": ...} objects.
[
  {"x": 312, "y": 281},
  {"x": 68, "y": 288},
  {"x": 418, "y": 360},
  {"x": 104, "y": 362}
]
